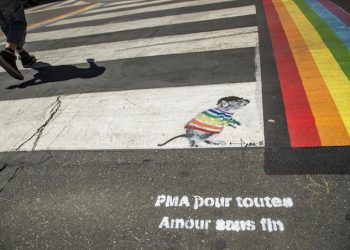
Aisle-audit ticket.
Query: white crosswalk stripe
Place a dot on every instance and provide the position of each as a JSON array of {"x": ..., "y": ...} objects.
[
  {"x": 114, "y": 8},
  {"x": 125, "y": 3},
  {"x": 65, "y": 3},
  {"x": 199, "y": 42},
  {"x": 119, "y": 120},
  {"x": 137, "y": 11},
  {"x": 57, "y": 5},
  {"x": 139, "y": 118},
  {"x": 151, "y": 22},
  {"x": 179, "y": 44},
  {"x": 40, "y": 7}
]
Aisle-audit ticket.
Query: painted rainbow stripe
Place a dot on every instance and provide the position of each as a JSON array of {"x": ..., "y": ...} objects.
[
  {"x": 210, "y": 121},
  {"x": 311, "y": 43},
  {"x": 57, "y": 18}
]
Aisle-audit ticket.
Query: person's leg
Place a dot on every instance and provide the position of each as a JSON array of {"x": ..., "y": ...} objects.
[
  {"x": 11, "y": 46},
  {"x": 5, "y": 29},
  {"x": 13, "y": 16},
  {"x": 8, "y": 61},
  {"x": 3, "y": 24},
  {"x": 26, "y": 59},
  {"x": 21, "y": 26}
]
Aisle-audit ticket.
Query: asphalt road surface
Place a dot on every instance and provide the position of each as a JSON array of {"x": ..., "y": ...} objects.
[{"x": 80, "y": 161}]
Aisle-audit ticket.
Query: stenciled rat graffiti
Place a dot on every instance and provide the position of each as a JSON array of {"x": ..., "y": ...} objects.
[{"x": 212, "y": 122}]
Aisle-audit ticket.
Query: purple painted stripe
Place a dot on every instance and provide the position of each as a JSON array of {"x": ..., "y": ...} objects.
[{"x": 337, "y": 11}]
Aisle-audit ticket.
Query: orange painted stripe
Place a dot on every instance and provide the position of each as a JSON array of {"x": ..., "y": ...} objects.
[
  {"x": 200, "y": 129},
  {"x": 54, "y": 19},
  {"x": 195, "y": 121},
  {"x": 300, "y": 120},
  {"x": 329, "y": 124}
]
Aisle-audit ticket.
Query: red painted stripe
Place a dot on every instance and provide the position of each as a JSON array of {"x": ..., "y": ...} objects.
[
  {"x": 200, "y": 129},
  {"x": 301, "y": 123}
]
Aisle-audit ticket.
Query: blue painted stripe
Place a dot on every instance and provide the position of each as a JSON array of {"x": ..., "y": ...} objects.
[
  {"x": 339, "y": 28},
  {"x": 215, "y": 114},
  {"x": 221, "y": 117},
  {"x": 219, "y": 112}
]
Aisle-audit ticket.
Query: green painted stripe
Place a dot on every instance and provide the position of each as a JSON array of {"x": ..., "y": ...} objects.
[
  {"x": 211, "y": 115},
  {"x": 334, "y": 43},
  {"x": 216, "y": 116}
]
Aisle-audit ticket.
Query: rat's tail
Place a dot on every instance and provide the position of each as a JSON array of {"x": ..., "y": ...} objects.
[{"x": 183, "y": 135}]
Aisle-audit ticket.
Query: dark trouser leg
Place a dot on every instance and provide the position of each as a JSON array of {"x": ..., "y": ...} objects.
[
  {"x": 13, "y": 21},
  {"x": 3, "y": 24}
]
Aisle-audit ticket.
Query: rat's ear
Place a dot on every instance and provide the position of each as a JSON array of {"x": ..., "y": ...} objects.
[{"x": 224, "y": 104}]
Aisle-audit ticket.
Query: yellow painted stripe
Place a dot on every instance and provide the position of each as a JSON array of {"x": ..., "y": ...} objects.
[
  {"x": 335, "y": 79},
  {"x": 204, "y": 124},
  {"x": 55, "y": 19},
  {"x": 329, "y": 124},
  {"x": 210, "y": 120}
]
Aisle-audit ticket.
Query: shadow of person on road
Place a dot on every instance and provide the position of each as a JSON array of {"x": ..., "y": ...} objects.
[{"x": 48, "y": 73}]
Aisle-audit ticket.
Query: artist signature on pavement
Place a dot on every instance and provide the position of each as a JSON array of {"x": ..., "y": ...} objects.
[{"x": 250, "y": 144}]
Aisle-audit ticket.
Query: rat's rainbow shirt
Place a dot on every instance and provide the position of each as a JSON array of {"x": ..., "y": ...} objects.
[{"x": 210, "y": 121}]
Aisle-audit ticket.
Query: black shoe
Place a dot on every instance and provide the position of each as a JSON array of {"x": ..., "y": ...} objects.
[
  {"x": 8, "y": 62},
  {"x": 26, "y": 59}
]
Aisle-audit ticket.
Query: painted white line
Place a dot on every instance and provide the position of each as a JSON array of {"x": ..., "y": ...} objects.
[
  {"x": 124, "y": 3},
  {"x": 152, "y": 22},
  {"x": 130, "y": 12},
  {"x": 79, "y": 3},
  {"x": 65, "y": 3},
  {"x": 137, "y": 119},
  {"x": 40, "y": 7},
  {"x": 61, "y": 7},
  {"x": 124, "y": 6},
  {"x": 168, "y": 45}
]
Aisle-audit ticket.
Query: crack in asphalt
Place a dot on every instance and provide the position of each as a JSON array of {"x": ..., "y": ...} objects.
[
  {"x": 22, "y": 165},
  {"x": 11, "y": 178},
  {"x": 40, "y": 130},
  {"x": 37, "y": 134},
  {"x": 3, "y": 167}
]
